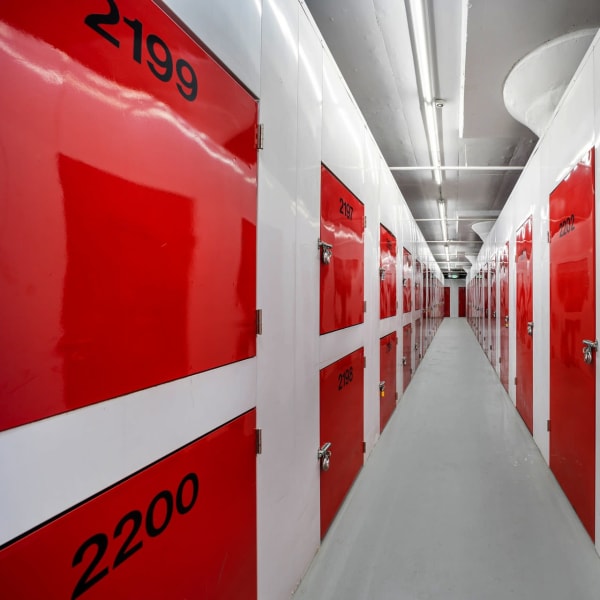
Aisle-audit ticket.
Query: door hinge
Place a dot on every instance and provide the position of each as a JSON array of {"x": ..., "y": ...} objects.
[
  {"x": 259, "y": 321},
  {"x": 548, "y": 235},
  {"x": 365, "y": 224},
  {"x": 258, "y": 440},
  {"x": 548, "y": 425},
  {"x": 397, "y": 397},
  {"x": 515, "y": 381},
  {"x": 364, "y": 447},
  {"x": 364, "y": 362},
  {"x": 260, "y": 136},
  {"x": 499, "y": 360},
  {"x": 365, "y": 306}
]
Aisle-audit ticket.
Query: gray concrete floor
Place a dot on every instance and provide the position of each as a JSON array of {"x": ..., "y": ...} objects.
[{"x": 455, "y": 502}]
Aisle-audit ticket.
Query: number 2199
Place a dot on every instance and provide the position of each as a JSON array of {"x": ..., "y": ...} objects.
[{"x": 161, "y": 62}]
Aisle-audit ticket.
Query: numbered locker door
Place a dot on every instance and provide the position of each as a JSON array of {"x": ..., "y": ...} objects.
[
  {"x": 387, "y": 273},
  {"x": 341, "y": 431},
  {"x": 504, "y": 318},
  {"x": 406, "y": 356},
  {"x": 573, "y": 338},
  {"x": 184, "y": 527},
  {"x": 387, "y": 378},
  {"x": 493, "y": 317},
  {"x": 446, "y": 301},
  {"x": 418, "y": 286},
  {"x": 418, "y": 344},
  {"x": 407, "y": 279},
  {"x": 462, "y": 302},
  {"x": 126, "y": 293},
  {"x": 524, "y": 324},
  {"x": 342, "y": 255}
]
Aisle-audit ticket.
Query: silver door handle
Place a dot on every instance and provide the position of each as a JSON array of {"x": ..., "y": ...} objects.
[
  {"x": 324, "y": 456},
  {"x": 588, "y": 347},
  {"x": 326, "y": 252},
  {"x": 530, "y": 328}
]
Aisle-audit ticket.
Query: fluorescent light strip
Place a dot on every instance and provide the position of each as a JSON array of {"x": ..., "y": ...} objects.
[
  {"x": 422, "y": 49},
  {"x": 463, "y": 67},
  {"x": 443, "y": 219}
]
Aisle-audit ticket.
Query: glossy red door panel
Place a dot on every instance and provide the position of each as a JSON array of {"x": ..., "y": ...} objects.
[
  {"x": 524, "y": 335},
  {"x": 462, "y": 302},
  {"x": 446, "y": 301},
  {"x": 406, "y": 356},
  {"x": 342, "y": 275},
  {"x": 407, "y": 280},
  {"x": 128, "y": 207},
  {"x": 387, "y": 378},
  {"x": 418, "y": 285},
  {"x": 504, "y": 317},
  {"x": 493, "y": 312},
  {"x": 388, "y": 250},
  {"x": 572, "y": 320},
  {"x": 341, "y": 425},
  {"x": 418, "y": 344},
  {"x": 184, "y": 527}
]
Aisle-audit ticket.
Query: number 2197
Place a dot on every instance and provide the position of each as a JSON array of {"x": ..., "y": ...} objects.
[{"x": 161, "y": 63}]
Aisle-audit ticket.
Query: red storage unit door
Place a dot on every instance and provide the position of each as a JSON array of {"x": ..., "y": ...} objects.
[
  {"x": 493, "y": 318},
  {"x": 504, "y": 317},
  {"x": 184, "y": 527},
  {"x": 446, "y": 302},
  {"x": 387, "y": 273},
  {"x": 104, "y": 174},
  {"x": 406, "y": 356},
  {"x": 407, "y": 280},
  {"x": 418, "y": 343},
  {"x": 342, "y": 255},
  {"x": 524, "y": 324},
  {"x": 462, "y": 302},
  {"x": 387, "y": 378},
  {"x": 572, "y": 321},
  {"x": 418, "y": 286},
  {"x": 341, "y": 426}
]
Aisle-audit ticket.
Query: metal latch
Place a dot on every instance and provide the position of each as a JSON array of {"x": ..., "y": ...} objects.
[
  {"x": 404, "y": 361},
  {"x": 324, "y": 456},
  {"x": 326, "y": 252},
  {"x": 506, "y": 321},
  {"x": 382, "y": 388},
  {"x": 530, "y": 328},
  {"x": 587, "y": 350},
  {"x": 382, "y": 273}
]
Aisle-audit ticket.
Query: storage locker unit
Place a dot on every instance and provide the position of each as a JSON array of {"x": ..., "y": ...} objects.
[
  {"x": 407, "y": 369},
  {"x": 341, "y": 248},
  {"x": 341, "y": 431},
  {"x": 146, "y": 536},
  {"x": 407, "y": 281},
  {"x": 524, "y": 322},
  {"x": 124, "y": 291},
  {"x": 387, "y": 378},
  {"x": 388, "y": 249},
  {"x": 573, "y": 342}
]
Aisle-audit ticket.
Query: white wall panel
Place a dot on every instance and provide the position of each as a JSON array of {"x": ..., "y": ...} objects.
[
  {"x": 230, "y": 30},
  {"x": 276, "y": 290},
  {"x": 60, "y": 461},
  {"x": 343, "y": 132},
  {"x": 371, "y": 327},
  {"x": 305, "y": 468}
]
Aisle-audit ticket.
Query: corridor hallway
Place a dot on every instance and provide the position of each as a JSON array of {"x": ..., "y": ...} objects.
[{"x": 455, "y": 501}]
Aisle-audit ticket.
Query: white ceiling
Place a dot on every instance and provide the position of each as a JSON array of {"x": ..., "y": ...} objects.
[{"x": 371, "y": 42}]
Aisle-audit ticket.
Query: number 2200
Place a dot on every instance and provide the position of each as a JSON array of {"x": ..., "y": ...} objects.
[{"x": 135, "y": 517}]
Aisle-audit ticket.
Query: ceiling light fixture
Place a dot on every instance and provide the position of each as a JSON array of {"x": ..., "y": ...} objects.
[
  {"x": 443, "y": 220},
  {"x": 420, "y": 30}
]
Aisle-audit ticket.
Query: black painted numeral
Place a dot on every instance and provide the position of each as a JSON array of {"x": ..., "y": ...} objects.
[
  {"x": 345, "y": 378},
  {"x": 153, "y": 529},
  {"x": 95, "y": 21},
  {"x": 161, "y": 61},
  {"x": 100, "y": 540},
  {"x": 135, "y": 516},
  {"x": 566, "y": 226},
  {"x": 346, "y": 209}
]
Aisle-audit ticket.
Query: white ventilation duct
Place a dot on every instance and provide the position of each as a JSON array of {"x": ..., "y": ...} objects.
[
  {"x": 537, "y": 82},
  {"x": 483, "y": 228}
]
